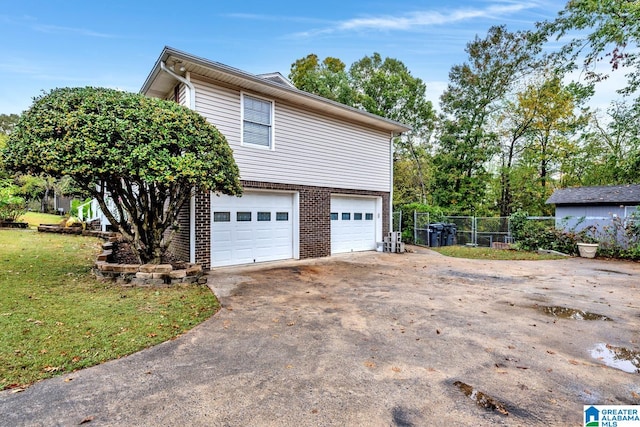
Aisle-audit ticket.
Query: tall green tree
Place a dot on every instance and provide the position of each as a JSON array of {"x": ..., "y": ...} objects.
[
  {"x": 512, "y": 124},
  {"x": 140, "y": 158},
  {"x": 385, "y": 87},
  {"x": 599, "y": 30},
  {"x": 328, "y": 78},
  {"x": 550, "y": 139},
  {"x": 610, "y": 148},
  {"x": 466, "y": 140}
]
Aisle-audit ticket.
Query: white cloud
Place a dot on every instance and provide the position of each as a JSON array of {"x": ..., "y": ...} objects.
[
  {"x": 54, "y": 29},
  {"x": 420, "y": 20},
  {"x": 417, "y": 20}
]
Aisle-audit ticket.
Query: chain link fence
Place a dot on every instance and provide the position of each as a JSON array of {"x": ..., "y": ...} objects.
[
  {"x": 490, "y": 230},
  {"x": 467, "y": 230},
  {"x": 397, "y": 221}
]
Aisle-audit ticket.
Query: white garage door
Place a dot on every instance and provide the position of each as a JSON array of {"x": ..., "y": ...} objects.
[
  {"x": 353, "y": 224},
  {"x": 256, "y": 227}
]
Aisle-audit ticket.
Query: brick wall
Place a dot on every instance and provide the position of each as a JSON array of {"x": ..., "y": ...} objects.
[
  {"x": 315, "y": 221},
  {"x": 315, "y": 207},
  {"x": 203, "y": 229},
  {"x": 179, "y": 246}
]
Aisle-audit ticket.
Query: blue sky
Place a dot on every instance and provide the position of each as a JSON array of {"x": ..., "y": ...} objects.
[{"x": 58, "y": 43}]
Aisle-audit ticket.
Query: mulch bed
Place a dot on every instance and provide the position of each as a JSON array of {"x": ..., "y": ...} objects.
[
  {"x": 11, "y": 224},
  {"x": 123, "y": 254}
]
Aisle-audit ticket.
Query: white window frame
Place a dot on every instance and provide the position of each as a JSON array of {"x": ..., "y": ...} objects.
[{"x": 271, "y": 145}]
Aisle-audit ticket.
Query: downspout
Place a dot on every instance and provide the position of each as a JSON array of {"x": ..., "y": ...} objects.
[
  {"x": 192, "y": 89},
  {"x": 391, "y": 181},
  {"x": 191, "y": 93}
]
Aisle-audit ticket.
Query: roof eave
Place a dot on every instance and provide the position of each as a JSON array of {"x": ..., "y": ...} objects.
[{"x": 252, "y": 82}]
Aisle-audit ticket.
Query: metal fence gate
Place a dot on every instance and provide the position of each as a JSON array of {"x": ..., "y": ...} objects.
[
  {"x": 421, "y": 228},
  {"x": 469, "y": 230},
  {"x": 466, "y": 230},
  {"x": 490, "y": 230},
  {"x": 396, "y": 221}
]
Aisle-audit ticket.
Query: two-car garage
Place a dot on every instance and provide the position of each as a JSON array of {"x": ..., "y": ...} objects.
[{"x": 264, "y": 226}]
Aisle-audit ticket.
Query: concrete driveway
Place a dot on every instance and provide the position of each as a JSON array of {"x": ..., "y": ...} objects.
[{"x": 372, "y": 339}]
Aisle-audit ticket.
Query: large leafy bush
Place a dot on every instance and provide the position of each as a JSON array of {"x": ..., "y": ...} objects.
[
  {"x": 146, "y": 155},
  {"x": 12, "y": 207}
]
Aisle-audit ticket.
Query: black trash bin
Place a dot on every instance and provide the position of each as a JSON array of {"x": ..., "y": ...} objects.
[
  {"x": 444, "y": 236},
  {"x": 435, "y": 234},
  {"x": 451, "y": 234}
]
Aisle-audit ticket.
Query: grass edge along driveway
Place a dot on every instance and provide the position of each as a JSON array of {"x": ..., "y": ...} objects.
[{"x": 55, "y": 317}]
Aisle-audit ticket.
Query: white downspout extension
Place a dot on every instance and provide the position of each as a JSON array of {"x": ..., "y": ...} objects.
[
  {"x": 391, "y": 183},
  {"x": 191, "y": 95}
]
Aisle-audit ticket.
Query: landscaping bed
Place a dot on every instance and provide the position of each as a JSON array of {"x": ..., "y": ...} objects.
[
  {"x": 117, "y": 262},
  {"x": 12, "y": 224}
]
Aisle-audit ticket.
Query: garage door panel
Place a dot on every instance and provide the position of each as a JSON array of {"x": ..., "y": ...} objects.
[
  {"x": 350, "y": 229},
  {"x": 244, "y": 235},
  {"x": 241, "y": 242},
  {"x": 224, "y": 236}
]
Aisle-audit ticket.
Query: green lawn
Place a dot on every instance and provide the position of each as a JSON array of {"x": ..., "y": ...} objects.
[
  {"x": 56, "y": 318},
  {"x": 36, "y": 218},
  {"x": 488, "y": 253}
]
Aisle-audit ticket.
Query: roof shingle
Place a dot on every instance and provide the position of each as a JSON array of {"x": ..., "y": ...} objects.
[{"x": 602, "y": 195}]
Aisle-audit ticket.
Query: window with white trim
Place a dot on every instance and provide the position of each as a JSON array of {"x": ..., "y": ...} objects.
[{"x": 257, "y": 121}]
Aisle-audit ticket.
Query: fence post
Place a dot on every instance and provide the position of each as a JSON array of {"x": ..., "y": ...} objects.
[
  {"x": 415, "y": 225},
  {"x": 474, "y": 231}
]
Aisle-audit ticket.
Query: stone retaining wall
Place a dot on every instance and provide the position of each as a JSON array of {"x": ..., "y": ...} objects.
[
  {"x": 131, "y": 274},
  {"x": 145, "y": 274},
  {"x": 54, "y": 228}
]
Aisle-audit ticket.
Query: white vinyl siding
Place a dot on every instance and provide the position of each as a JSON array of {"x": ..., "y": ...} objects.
[{"x": 312, "y": 149}]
